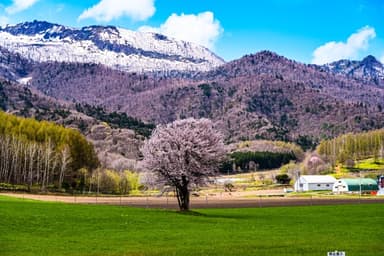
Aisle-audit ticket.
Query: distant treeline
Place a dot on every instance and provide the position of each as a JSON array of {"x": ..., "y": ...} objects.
[
  {"x": 116, "y": 120},
  {"x": 353, "y": 146},
  {"x": 42, "y": 154},
  {"x": 251, "y": 161}
]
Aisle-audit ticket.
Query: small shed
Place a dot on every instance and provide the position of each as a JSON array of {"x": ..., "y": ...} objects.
[
  {"x": 355, "y": 185},
  {"x": 314, "y": 182}
]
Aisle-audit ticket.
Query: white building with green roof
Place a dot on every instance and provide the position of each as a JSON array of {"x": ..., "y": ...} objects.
[{"x": 364, "y": 185}]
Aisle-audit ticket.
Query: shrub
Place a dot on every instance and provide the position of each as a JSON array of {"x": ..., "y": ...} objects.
[
  {"x": 109, "y": 182},
  {"x": 12, "y": 187},
  {"x": 349, "y": 163},
  {"x": 114, "y": 182},
  {"x": 129, "y": 181},
  {"x": 228, "y": 187},
  {"x": 283, "y": 179}
]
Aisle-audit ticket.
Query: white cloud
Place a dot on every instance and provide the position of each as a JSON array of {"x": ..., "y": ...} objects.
[
  {"x": 382, "y": 59},
  {"x": 333, "y": 51},
  {"x": 3, "y": 21},
  {"x": 202, "y": 28},
  {"x": 20, "y": 5},
  {"x": 107, "y": 10}
]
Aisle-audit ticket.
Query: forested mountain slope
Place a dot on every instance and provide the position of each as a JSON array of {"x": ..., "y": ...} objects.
[
  {"x": 259, "y": 96},
  {"x": 117, "y": 142},
  {"x": 263, "y": 95}
]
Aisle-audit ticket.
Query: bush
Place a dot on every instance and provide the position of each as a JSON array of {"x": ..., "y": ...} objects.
[
  {"x": 228, "y": 187},
  {"x": 114, "y": 182},
  {"x": 12, "y": 187},
  {"x": 349, "y": 163},
  {"x": 290, "y": 168},
  {"x": 109, "y": 182},
  {"x": 129, "y": 181},
  {"x": 283, "y": 179}
]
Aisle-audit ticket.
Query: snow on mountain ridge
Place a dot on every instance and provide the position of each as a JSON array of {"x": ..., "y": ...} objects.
[
  {"x": 115, "y": 47},
  {"x": 369, "y": 69}
]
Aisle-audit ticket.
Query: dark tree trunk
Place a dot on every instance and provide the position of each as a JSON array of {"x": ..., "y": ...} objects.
[{"x": 182, "y": 193}]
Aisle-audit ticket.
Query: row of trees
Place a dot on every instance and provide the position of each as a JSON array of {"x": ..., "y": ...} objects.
[
  {"x": 353, "y": 146},
  {"x": 116, "y": 119},
  {"x": 251, "y": 161},
  {"x": 41, "y": 153},
  {"x": 28, "y": 162},
  {"x": 270, "y": 146}
]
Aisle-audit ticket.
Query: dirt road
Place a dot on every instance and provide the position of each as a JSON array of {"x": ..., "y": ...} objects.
[{"x": 202, "y": 202}]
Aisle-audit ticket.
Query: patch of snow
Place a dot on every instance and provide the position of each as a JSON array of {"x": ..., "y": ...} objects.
[
  {"x": 24, "y": 80},
  {"x": 182, "y": 56}
]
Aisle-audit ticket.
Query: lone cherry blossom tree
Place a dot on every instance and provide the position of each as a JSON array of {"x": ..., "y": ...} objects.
[{"x": 184, "y": 154}]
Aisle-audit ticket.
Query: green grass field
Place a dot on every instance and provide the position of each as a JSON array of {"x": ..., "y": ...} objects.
[
  {"x": 43, "y": 228},
  {"x": 369, "y": 167},
  {"x": 370, "y": 164}
]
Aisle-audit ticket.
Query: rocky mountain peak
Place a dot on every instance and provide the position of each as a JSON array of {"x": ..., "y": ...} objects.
[
  {"x": 265, "y": 54},
  {"x": 369, "y": 59},
  {"x": 29, "y": 28},
  {"x": 368, "y": 69},
  {"x": 114, "y": 47}
]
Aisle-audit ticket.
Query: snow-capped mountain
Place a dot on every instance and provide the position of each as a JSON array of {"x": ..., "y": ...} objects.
[
  {"x": 114, "y": 47},
  {"x": 369, "y": 69}
]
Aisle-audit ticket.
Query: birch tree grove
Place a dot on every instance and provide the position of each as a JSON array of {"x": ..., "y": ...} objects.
[
  {"x": 184, "y": 154},
  {"x": 24, "y": 162},
  {"x": 41, "y": 154},
  {"x": 353, "y": 146}
]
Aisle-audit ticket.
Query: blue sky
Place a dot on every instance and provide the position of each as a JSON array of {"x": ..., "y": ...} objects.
[{"x": 310, "y": 31}]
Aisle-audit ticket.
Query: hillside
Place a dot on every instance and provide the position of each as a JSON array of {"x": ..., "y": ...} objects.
[
  {"x": 13, "y": 66},
  {"x": 116, "y": 144},
  {"x": 260, "y": 96}
]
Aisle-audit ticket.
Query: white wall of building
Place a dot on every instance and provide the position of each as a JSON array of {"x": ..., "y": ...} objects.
[
  {"x": 340, "y": 186},
  {"x": 314, "y": 182}
]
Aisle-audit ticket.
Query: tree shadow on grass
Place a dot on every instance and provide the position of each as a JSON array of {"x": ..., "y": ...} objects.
[
  {"x": 191, "y": 213},
  {"x": 212, "y": 215}
]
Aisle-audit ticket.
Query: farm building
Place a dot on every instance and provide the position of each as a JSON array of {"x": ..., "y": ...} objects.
[
  {"x": 355, "y": 185},
  {"x": 314, "y": 182}
]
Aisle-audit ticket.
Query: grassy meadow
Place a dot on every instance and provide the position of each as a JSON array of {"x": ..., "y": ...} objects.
[
  {"x": 45, "y": 228},
  {"x": 370, "y": 164}
]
